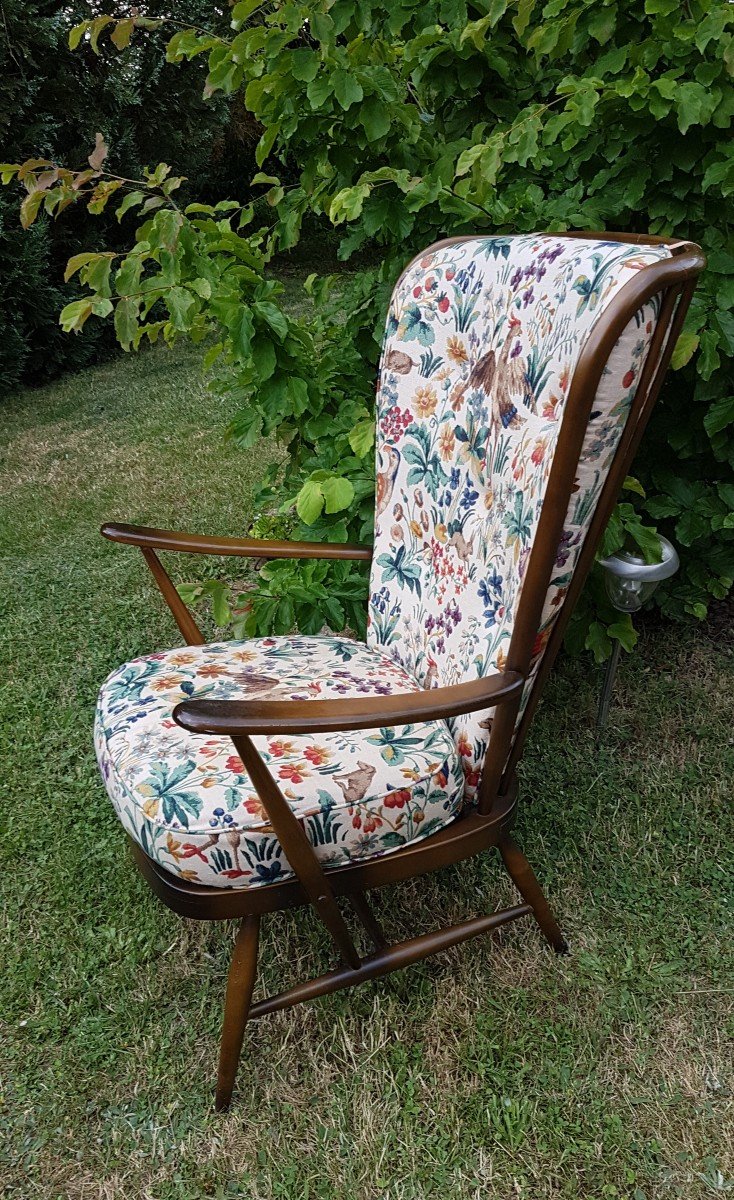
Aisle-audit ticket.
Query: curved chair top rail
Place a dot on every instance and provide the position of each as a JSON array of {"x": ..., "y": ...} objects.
[{"x": 673, "y": 279}]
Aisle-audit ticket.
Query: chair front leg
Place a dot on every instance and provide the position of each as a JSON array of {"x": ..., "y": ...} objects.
[
  {"x": 240, "y": 984},
  {"x": 521, "y": 874}
]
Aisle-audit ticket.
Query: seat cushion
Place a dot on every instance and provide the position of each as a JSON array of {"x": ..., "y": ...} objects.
[{"x": 190, "y": 804}]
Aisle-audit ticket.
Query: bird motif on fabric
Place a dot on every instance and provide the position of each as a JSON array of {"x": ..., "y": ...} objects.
[
  {"x": 355, "y": 784},
  {"x": 399, "y": 361},
  {"x": 500, "y": 379},
  {"x": 253, "y": 682},
  {"x": 431, "y": 674},
  {"x": 386, "y": 476}
]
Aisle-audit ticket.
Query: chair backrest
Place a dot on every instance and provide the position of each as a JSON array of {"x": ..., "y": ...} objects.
[{"x": 494, "y": 345}]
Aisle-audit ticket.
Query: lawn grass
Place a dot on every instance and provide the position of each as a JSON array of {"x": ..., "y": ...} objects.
[{"x": 496, "y": 1070}]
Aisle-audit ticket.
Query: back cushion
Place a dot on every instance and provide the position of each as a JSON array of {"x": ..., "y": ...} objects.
[{"x": 481, "y": 344}]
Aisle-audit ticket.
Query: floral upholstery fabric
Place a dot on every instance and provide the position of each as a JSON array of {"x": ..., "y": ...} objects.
[
  {"x": 188, "y": 801},
  {"x": 483, "y": 337}
]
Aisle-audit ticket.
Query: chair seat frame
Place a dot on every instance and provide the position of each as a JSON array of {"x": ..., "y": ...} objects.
[{"x": 488, "y": 825}]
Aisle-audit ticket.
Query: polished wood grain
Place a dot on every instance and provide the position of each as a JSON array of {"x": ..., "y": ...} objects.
[
  {"x": 389, "y": 958},
  {"x": 240, "y": 985},
  {"x": 197, "y": 543},
  {"x": 233, "y": 717}
]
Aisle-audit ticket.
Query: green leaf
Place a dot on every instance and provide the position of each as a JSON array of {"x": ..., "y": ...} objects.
[
  {"x": 179, "y": 303},
  {"x": 310, "y": 502},
  {"x": 273, "y": 316},
  {"x": 362, "y": 437},
  {"x": 263, "y": 356},
  {"x": 304, "y": 65},
  {"x": 241, "y": 331},
  {"x": 221, "y": 610},
  {"x": 597, "y": 640},
  {"x": 201, "y": 286},
  {"x": 73, "y": 316},
  {"x": 131, "y": 199},
  {"x": 623, "y": 631},
  {"x": 30, "y": 206},
  {"x": 347, "y": 204},
  {"x": 122, "y": 33},
  {"x": 685, "y": 348},
  {"x": 95, "y": 28},
  {"x": 633, "y": 485},
  {"x": 319, "y": 90},
  {"x": 266, "y": 143},
  {"x": 298, "y": 393},
  {"x": 347, "y": 89},
  {"x": 648, "y": 540},
  {"x": 126, "y": 320},
  {"x": 338, "y": 493},
  {"x": 77, "y": 33},
  {"x": 77, "y": 261},
  {"x": 375, "y": 117},
  {"x": 719, "y": 416},
  {"x": 468, "y": 157}
]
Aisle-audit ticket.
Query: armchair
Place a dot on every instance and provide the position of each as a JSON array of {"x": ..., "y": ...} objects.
[{"x": 517, "y": 376}]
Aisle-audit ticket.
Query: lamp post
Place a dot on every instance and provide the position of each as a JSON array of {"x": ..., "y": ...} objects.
[{"x": 629, "y": 582}]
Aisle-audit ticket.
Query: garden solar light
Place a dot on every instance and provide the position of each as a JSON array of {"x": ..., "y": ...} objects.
[{"x": 629, "y": 582}]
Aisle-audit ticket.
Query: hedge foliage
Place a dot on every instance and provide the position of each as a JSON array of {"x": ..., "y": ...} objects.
[{"x": 400, "y": 123}]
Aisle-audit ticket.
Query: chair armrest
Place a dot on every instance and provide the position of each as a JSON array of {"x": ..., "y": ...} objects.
[
  {"x": 237, "y": 717},
  {"x": 194, "y": 543}
]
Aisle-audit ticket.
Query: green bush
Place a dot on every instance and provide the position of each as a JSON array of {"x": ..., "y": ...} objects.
[{"x": 400, "y": 123}]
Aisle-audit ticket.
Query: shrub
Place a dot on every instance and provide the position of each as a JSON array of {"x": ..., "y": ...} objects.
[{"x": 398, "y": 124}]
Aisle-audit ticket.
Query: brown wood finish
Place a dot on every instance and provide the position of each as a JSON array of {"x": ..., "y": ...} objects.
[
  {"x": 240, "y": 985},
  {"x": 196, "y": 543},
  {"x": 233, "y": 717},
  {"x": 672, "y": 279}
]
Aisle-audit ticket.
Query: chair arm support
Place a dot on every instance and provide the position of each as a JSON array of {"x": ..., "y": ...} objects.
[
  {"x": 194, "y": 543},
  {"x": 237, "y": 717}
]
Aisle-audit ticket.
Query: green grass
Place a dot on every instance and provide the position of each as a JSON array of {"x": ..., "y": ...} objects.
[{"x": 496, "y": 1070}]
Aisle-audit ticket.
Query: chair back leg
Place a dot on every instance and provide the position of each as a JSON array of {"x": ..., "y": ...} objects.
[{"x": 240, "y": 984}]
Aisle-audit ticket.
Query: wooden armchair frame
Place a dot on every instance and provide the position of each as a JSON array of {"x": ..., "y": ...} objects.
[{"x": 673, "y": 280}]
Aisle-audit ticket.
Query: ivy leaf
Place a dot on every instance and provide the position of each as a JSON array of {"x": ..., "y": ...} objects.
[
  {"x": 310, "y": 502},
  {"x": 347, "y": 89}
]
